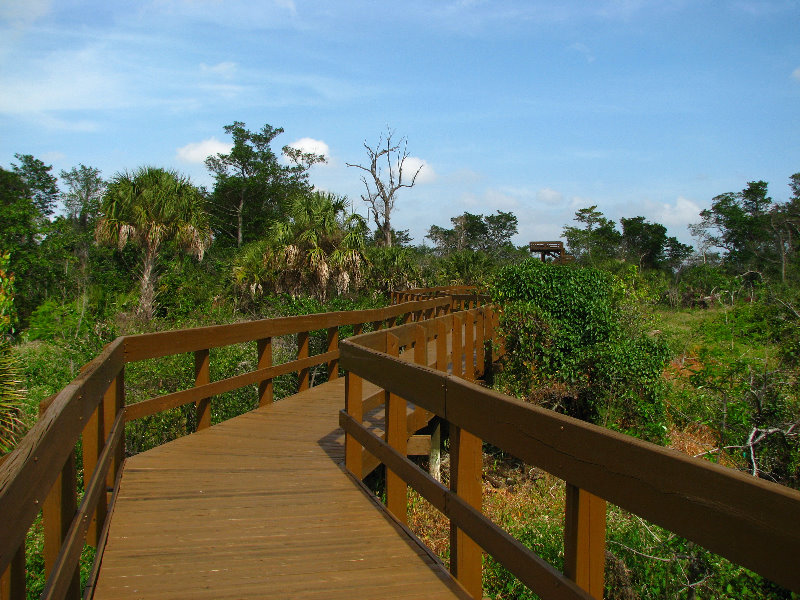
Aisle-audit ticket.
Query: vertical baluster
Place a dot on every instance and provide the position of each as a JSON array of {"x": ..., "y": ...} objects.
[
  {"x": 58, "y": 511},
  {"x": 93, "y": 439},
  {"x": 12, "y": 583},
  {"x": 397, "y": 438},
  {"x": 302, "y": 352},
  {"x": 585, "y": 540},
  {"x": 469, "y": 346},
  {"x": 113, "y": 404},
  {"x": 480, "y": 344},
  {"x": 466, "y": 464},
  {"x": 264, "y": 349},
  {"x": 441, "y": 346},
  {"x": 333, "y": 345},
  {"x": 202, "y": 376},
  {"x": 457, "y": 347},
  {"x": 353, "y": 404}
]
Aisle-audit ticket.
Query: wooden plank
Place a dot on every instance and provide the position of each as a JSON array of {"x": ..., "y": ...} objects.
[
  {"x": 155, "y": 345},
  {"x": 397, "y": 437},
  {"x": 469, "y": 346},
  {"x": 202, "y": 376},
  {"x": 57, "y": 513},
  {"x": 333, "y": 346},
  {"x": 353, "y": 406},
  {"x": 480, "y": 345},
  {"x": 64, "y": 576},
  {"x": 32, "y": 468},
  {"x": 529, "y": 568},
  {"x": 418, "y": 445},
  {"x": 175, "y": 399},
  {"x": 93, "y": 440},
  {"x": 749, "y": 521},
  {"x": 12, "y": 582},
  {"x": 466, "y": 467},
  {"x": 585, "y": 540},
  {"x": 302, "y": 353},
  {"x": 457, "y": 346},
  {"x": 264, "y": 348},
  {"x": 113, "y": 405}
]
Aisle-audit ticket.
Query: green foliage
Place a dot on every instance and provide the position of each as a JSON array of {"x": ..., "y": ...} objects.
[
  {"x": 488, "y": 234},
  {"x": 571, "y": 346}
]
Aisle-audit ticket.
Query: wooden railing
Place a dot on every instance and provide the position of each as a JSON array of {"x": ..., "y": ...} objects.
[
  {"x": 40, "y": 475},
  {"x": 747, "y": 520}
]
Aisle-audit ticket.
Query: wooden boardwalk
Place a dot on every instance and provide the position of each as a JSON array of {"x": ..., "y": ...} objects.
[{"x": 259, "y": 506}]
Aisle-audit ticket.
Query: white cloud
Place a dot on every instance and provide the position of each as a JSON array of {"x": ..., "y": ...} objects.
[
  {"x": 197, "y": 152},
  {"x": 796, "y": 74},
  {"x": 426, "y": 173},
  {"x": 308, "y": 144},
  {"x": 549, "y": 196},
  {"x": 225, "y": 70},
  {"x": 584, "y": 50},
  {"x": 23, "y": 12},
  {"x": 681, "y": 213}
]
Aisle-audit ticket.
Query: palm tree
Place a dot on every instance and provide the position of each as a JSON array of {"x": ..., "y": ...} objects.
[
  {"x": 316, "y": 246},
  {"x": 147, "y": 208}
]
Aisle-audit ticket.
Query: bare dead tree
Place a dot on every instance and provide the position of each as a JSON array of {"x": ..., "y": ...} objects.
[{"x": 382, "y": 185}]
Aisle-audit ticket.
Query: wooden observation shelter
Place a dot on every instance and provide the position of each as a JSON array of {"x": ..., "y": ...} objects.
[{"x": 555, "y": 250}]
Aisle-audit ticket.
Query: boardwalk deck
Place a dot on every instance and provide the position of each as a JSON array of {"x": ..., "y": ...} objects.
[{"x": 258, "y": 506}]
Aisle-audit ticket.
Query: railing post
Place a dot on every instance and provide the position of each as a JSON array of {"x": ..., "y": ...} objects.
[
  {"x": 480, "y": 345},
  {"x": 397, "y": 438},
  {"x": 264, "y": 347},
  {"x": 333, "y": 345},
  {"x": 585, "y": 540},
  {"x": 377, "y": 325},
  {"x": 202, "y": 376},
  {"x": 93, "y": 439},
  {"x": 458, "y": 349},
  {"x": 302, "y": 352},
  {"x": 466, "y": 466},
  {"x": 353, "y": 404},
  {"x": 58, "y": 511},
  {"x": 469, "y": 346},
  {"x": 113, "y": 404},
  {"x": 441, "y": 346},
  {"x": 12, "y": 583}
]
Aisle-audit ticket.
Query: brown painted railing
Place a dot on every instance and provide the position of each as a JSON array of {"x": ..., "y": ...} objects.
[
  {"x": 747, "y": 520},
  {"x": 40, "y": 475}
]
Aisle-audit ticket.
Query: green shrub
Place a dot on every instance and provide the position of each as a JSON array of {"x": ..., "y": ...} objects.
[{"x": 573, "y": 345}]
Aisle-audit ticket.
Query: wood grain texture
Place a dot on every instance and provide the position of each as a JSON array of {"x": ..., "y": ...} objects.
[{"x": 270, "y": 514}]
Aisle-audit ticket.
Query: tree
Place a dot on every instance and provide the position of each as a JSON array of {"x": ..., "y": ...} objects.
[
  {"x": 251, "y": 184},
  {"x": 314, "y": 247},
  {"x": 598, "y": 240},
  {"x": 85, "y": 189},
  {"x": 477, "y": 233},
  {"x": 41, "y": 185},
  {"x": 382, "y": 186},
  {"x": 740, "y": 224},
  {"x": 147, "y": 208}
]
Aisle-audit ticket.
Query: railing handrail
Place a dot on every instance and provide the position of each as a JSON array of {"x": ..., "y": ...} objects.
[
  {"x": 28, "y": 474},
  {"x": 748, "y": 520}
]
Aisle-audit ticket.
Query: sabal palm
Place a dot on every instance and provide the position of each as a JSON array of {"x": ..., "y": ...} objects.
[
  {"x": 147, "y": 208},
  {"x": 315, "y": 242}
]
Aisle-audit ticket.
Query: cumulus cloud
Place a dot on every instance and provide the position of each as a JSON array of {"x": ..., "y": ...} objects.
[
  {"x": 197, "y": 152},
  {"x": 549, "y": 196},
  {"x": 313, "y": 146},
  {"x": 225, "y": 70},
  {"x": 426, "y": 173},
  {"x": 796, "y": 74},
  {"x": 681, "y": 213}
]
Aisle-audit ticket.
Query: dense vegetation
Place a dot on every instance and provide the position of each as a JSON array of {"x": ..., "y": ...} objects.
[{"x": 695, "y": 348}]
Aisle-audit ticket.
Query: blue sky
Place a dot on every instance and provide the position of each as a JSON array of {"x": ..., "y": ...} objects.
[{"x": 540, "y": 108}]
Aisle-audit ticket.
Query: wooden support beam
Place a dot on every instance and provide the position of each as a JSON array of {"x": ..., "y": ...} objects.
[
  {"x": 57, "y": 514},
  {"x": 113, "y": 404},
  {"x": 264, "y": 347},
  {"x": 302, "y": 352},
  {"x": 12, "y": 582},
  {"x": 202, "y": 376},
  {"x": 466, "y": 467},
  {"x": 333, "y": 346},
  {"x": 585, "y": 540},
  {"x": 93, "y": 439},
  {"x": 396, "y": 437},
  {"x": 353, "y": 404}
]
